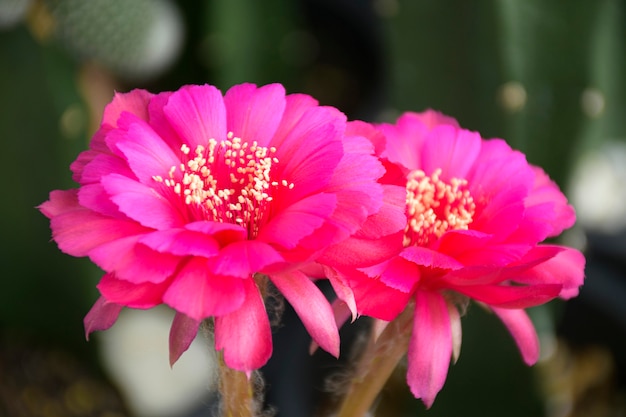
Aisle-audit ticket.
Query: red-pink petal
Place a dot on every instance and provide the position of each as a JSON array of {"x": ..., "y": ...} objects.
[
  {"x": 199, "y": 294},
  {"x": 430, "y": 347},
  {"x": 181, "y": 242},
  {"x": 400, "y": 274},
  {"x": 523, "y": 331},
  {"x": 197, "y": 114},
  {"x": 253, "y": 114},
  {"x": 566, "y": 268},
  {"x": 244, "y": 258},
  {"x": 133, "y": 261},
  {"x": 144, "y": 295},
  {"x": 101, "y": 316},
  {"x": 298, "y": 220},
  {"x": 509, "y": 296},
  {"x": 142, "y": 203},
  {"x": 245, "y": 334},
  {"x": 450, "y": 149},
  {"x": 312, "y": 307},
  {"x": 429, "y": 258},
  {"x": 183, "y": 331}
]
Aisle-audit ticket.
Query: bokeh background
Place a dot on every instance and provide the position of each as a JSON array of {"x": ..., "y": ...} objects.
[{"x": 549, "y": 76}]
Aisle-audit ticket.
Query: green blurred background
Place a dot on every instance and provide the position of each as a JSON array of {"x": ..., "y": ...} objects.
[{"x": 549, "y": 76}]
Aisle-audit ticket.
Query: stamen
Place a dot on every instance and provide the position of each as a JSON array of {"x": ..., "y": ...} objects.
[
  {"x": 435, "y": 206},
  {"x": 226, "y": 181}
]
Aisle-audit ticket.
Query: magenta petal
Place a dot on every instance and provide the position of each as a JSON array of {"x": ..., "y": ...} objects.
[
  {"x": 134, "y": 102},
  {"x": 298, "y": 220},
  {"x": 147, "y": 154},
  {"x": 197, "y": 114},
  {"x": 244, "y": 258},
  {"x": 245, "y": 334},
  {"x": 142, "y": 203},
  {"x": 183, "y": 331},
  {"x": 102, "y": 316},
  {"x": 567, "y": 268},
  {"x": 450, "y": 149},
  {"x": 199, "y": 294},
  {"x": 312, "y": 307},
  {"x": 254, "y": 113},
  {"x": 144, "y": 295},
  {"x": 430, "y": 347},
  {"x": 224, "y": 233},
  {"x": 523, "y": 331},
  {"x": 181, "y": 242},
  {"x": 400, "y": 274},
  {"x": 509, "y": 296},
  {"x": 133, "y": 261},
  {"x": 429, "y": 258}
]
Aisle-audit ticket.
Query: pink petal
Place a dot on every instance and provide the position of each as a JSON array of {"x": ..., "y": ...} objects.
[
  {"x": 147, "y": 154},
  {"x": 432, "y": 118},
  {"x": 182, "y": 333},
  {"x": 133, "y": 261},
  {"x": 429, "y": 258},
  {"x": 296, "y": 106},
  {"x": 245, "y": 335},
  {"x": 456, "y": 331},
  {"x": 312, "y": 308},
  {"x": 77, "y": 230},
  {"x": 360, "y": 253},
  {"x": 367, "y": 130},
  {"x": 223, "y": 233},
  {"x": 134, "y": 102},
  {"x": 242, "y": 259},
  {"x": 181, "y": 242},
  {"x": 253, "y": 114},
  {"x": 94, "y": 197},
  {"x": 373, "y": 298},
  {"x": 345, "y": 295},
  {"x": 566, "y": 268},
  {"x": 401, "y": 275},
  {"x": 102, "y": 316},
  {"x": 102, "y": 165},
  {"x": 309, "y": 154},
  {"x": 508, "y": 296},
  {"x": 142, "y": 203},
  {"x": 143, "y": 296},
  {"x": 298, "y": 220},
  {"x": 450, "y": 149},
  {"x": 199, "y": 294},
  {"x": 197, "y": 114},
  {"x": 430, "y": 347},
  {"x": 523, "y": 331}
]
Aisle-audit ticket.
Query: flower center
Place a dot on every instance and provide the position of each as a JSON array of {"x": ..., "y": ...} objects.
[
  {"x": 435, "y": 206},
  {"x": 227, "y": 181}
]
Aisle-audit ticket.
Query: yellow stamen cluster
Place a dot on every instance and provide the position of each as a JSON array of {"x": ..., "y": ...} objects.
[
  {"x": 228, "y": 180},
  {"x": 435, "y": 206}
]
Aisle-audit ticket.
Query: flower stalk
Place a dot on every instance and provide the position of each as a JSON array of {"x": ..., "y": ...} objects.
[
  {"x": 376, "y": 364},
  {"x": 236, "y": 392}
]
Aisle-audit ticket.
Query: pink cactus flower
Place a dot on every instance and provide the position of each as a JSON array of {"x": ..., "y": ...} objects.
[
  {"x": 198, "y": 200},
  {"x": 476, "y": 213}
]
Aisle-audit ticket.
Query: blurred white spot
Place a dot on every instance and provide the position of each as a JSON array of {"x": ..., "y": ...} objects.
[
  {"x": 598, "y": 188},
  {"x": 512, "y": 96},
  {"x": 12, "y": 12},
  {"x": 592, "y": 102},
  {"x": 136, "y": 354}
]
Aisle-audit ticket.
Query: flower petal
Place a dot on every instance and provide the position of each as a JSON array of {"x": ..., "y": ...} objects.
[
  {"x": 183, "y": 331},
  {"x": 197, "y": 114},
  {"x": 144, "y": 295},
  {"x": 509, "y": 296},
  {"x": 181, "y": 242},
  {"x": 430, "y": 347},
  {"x": 243, "y": 259},
  {"x": 142, "y": 203},
  {"x": 245, "y": 335},
  {"x": 523, "y": 331},
  {"x": 133, "y": 261},
  {"x": 199, "y": 294},
  {"x": 254, "y": 113},
  {"x": 450, "y": 149},
  {"x": 312, "y": 307},
  {"x": 101, "y": 316}
]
